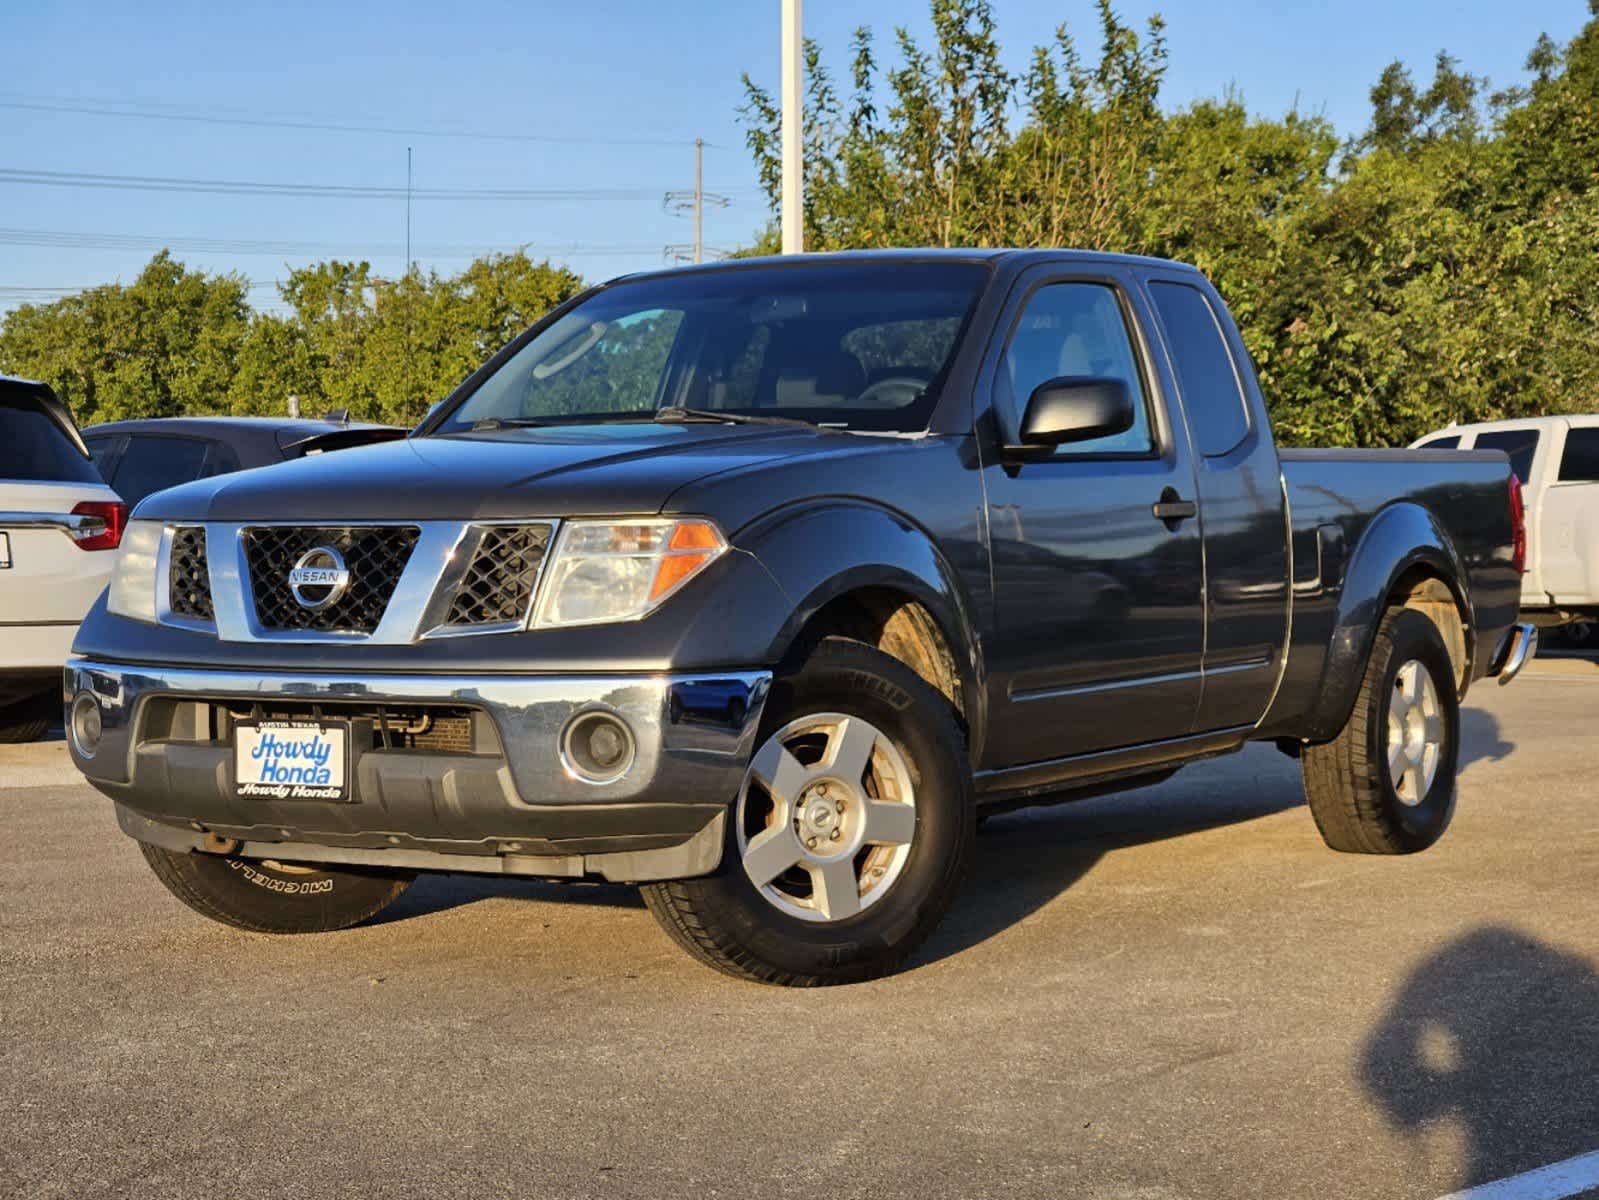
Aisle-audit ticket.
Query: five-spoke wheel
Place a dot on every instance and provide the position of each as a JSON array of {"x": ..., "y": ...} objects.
[
  {"x": 849, "y": 835},
  {"x": 826, "y": 817}
]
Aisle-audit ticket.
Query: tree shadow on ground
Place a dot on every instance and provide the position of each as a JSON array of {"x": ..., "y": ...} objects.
[{"x": 1499, "y": 1033}]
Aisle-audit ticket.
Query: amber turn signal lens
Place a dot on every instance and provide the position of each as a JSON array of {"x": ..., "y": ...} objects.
[{"x": 691, "y": 547}]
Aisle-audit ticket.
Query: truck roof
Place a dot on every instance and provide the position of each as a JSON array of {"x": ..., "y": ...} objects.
[{"x": 1010, "y": 255}]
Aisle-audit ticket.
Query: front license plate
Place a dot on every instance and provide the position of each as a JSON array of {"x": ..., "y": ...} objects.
[
  {"x": 5, "y": 551},
  {"x": 291, "y": 760}
]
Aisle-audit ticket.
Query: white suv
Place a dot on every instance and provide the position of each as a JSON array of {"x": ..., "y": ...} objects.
[
  {"x": 59, "y": 526},
  {"x": 1557, "y": 461}
]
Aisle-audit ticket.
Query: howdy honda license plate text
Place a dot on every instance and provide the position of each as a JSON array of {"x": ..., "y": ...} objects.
[{"x": 291, "y": 760}]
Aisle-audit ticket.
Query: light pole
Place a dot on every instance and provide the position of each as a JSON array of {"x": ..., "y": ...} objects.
[{"x": 793, "y": 210}]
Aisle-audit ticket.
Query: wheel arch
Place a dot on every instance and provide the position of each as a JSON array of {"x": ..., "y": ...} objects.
[
  {"x": 1404, "y": 559},
  {"x": 866, "y": 573}
]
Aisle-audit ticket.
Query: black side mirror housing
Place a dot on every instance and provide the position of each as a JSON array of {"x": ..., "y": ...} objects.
[{"x": 1075, "y": 408}]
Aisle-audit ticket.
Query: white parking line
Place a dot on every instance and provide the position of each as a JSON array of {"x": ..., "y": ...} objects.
[{"x": 1554, "y": 1182}]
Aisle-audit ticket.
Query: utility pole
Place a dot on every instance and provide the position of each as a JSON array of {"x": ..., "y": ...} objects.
[
  {"x": 694, "y": 202},
  {"x": 793, "y": 210},
  {"x": 405, "y": 400}
]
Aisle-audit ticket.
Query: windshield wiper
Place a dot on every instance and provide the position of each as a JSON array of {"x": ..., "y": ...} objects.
[
  {"x": 488, "y": 423},
  {"x": 677, "y": 414}
]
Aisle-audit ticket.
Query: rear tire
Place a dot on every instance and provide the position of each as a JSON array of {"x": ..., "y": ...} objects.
[
  {"x": 268, "y": 897},
  {"x": 1386, "y": 783},
  {"x": 861, "y": 732},
  {"x": 26, "y": 720}
]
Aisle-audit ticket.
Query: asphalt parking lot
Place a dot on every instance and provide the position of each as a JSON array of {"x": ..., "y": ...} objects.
[{"x": 1174, "y": 993}]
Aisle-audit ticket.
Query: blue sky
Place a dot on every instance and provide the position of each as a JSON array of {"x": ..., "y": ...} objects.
[{"x": 586, "y": 76}]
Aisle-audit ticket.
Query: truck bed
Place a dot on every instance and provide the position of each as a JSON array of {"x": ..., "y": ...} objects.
[{"x": 1340, "y": 504}]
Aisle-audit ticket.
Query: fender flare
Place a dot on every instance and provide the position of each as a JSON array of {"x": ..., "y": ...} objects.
[
  {"x": 1400, "y": 537},
  {"x": 828, "y": 548}
]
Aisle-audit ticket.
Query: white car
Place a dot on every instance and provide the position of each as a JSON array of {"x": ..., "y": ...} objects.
[
  {"x": 1557, "y": 461},
  {"x": 59, "y": 528}
]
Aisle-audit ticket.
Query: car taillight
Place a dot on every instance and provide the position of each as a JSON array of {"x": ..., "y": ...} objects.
[
  {"x": 1518, "y": 526},
  {"x": 106, "y": 532}
]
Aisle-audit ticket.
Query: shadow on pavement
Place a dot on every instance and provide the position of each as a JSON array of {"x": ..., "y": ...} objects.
[
  {"x": 1025, "y": 859},
  {"x": 436, "y": 893},
  {"x": 1499, "y": 1033},
  {"x": 1480, "y": 738}
]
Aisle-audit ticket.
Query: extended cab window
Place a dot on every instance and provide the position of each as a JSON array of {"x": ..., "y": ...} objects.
[
  {"x": 1579, "y": 462},
  {"x": 1212, "y": 396},
  {"x": 1440, "y": 443},
  {"x": 1520, "y": 444},
  {"x": 1075, "y": 329}
]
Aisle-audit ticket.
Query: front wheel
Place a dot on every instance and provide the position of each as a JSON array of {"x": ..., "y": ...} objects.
[
  {"x": 1386, "y": 783},
  {"x": 264, "y": 896},
  {"x": 849, "y": 835}
]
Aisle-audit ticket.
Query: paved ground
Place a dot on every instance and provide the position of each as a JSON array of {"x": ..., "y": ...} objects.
[{"x": 1176, "y": 993}]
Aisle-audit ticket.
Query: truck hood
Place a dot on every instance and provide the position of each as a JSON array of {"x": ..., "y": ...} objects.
[{"x": 506, "y": 474}]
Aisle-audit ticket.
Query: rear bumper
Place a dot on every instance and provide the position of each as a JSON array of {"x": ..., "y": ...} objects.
[
  {"x": 38, "y": 647},
  {"x": 504, "y": 803},
  {"x": 1519, "y": 646}
]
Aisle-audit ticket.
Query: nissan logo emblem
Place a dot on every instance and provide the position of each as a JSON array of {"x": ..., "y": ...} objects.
[{"x": 319, "y": 578}]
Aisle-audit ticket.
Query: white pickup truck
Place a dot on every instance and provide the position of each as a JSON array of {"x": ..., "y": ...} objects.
[{"x": 1557, "y": 461}]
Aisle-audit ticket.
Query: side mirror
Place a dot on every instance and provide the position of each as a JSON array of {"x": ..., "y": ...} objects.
[{"x": 1075, "y": 408}]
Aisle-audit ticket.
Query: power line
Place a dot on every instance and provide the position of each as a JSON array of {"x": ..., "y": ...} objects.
[
  {"x": 112, "y": 108},
  {"x": 326, "y": 191},
  {"x": 246, "y": 247}
]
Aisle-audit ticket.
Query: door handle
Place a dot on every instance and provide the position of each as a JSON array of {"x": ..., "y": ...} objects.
[{"x": 1172, "y": 508}]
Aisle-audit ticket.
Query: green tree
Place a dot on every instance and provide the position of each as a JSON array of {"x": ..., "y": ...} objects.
[{"x": 166, "y": 344}]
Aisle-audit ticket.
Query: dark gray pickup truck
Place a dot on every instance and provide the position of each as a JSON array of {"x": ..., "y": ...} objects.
[{"x": 761, "y": 584}]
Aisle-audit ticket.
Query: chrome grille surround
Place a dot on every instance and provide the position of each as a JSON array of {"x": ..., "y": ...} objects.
[
  {"x": 376, "y": 554},
  {"x": 421, "y": 598},
  {"x": 493, "y": 579}
]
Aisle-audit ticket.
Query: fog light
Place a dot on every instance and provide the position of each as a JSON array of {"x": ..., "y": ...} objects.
[
  {"x": 86, "y": 725},
  {"x": 597, "y": 747}
]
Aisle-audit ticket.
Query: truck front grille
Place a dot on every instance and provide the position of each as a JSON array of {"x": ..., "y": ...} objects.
[
  {"x": 189, "y": 575},
  {"x": 497, "y": 587},
  {"x": 374, "y": 555}
]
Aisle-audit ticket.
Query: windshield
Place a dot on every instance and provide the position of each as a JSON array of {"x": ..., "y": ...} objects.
[{"x": 849, "y": 345}]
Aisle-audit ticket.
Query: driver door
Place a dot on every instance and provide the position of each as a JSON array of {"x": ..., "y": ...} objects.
[{"x": 1099, "y": 610}]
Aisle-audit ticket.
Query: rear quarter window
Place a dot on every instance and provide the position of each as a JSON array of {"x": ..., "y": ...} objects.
[
  {"x": 34, "y": 449},
  {"x": 1440, "y": 443},
  {"x": 1579, "y": 462},
  {"x": 1206, "y": 375},
  {"x": 1520, "y": 444}
]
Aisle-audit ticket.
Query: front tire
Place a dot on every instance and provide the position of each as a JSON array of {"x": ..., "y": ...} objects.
[
  {"x": 264, "y": 896},
  {"x": 1386, "y": 783},
  {"x": 849, "y": 836}
]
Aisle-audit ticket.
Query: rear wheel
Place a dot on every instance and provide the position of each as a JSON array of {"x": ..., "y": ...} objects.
[
  {"x": 1386, "y": 783},
  {"x": 265, "y": 896},
  {"x": 849, "y": 834}
]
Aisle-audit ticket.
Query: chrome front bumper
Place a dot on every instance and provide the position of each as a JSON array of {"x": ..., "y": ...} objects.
[{"x": 693, "y": 736}]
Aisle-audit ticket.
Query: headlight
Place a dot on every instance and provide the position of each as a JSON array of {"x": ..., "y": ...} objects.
[
  {"x": 620, "y": 570},
  {"x": 133, "y": 578}
]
